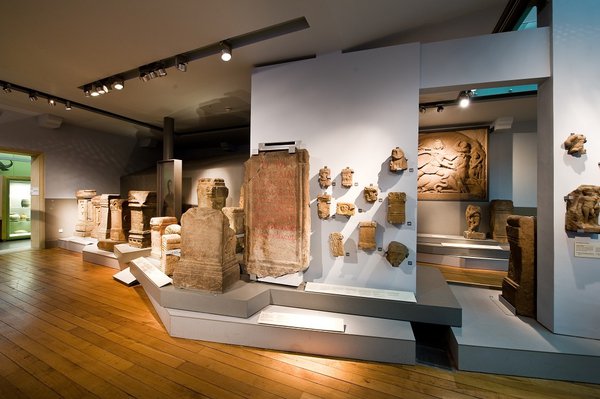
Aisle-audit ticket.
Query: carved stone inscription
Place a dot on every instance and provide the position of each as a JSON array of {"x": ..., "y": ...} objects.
[
  {"x": 396, "y": 253},
  {"x": 370, "y": 193},
  {"x": 323, "y": 205},
  {"x": 347, "y": 177},
  {"x": 574, "y": 144},
  {"x": 85, "y": 215},
  {"x": 95, "y": 215},
  {"x": 583, "y": 208},
  {"x": 396, "y": 209},
  {"x": 345, "y": 208},
  {"x": 473, "y": 218},
  {"x": 336, "y": 244},
  {"x": 398, "y": 162},
  {"x": 500, "y": 210},
  {"x": 324, "y": 177},
  {"x": 277, "y": 205},
  {"x": 366, "y": 236}
]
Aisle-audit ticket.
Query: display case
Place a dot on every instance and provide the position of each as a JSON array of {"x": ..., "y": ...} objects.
[{"x": 16, "y": 208}]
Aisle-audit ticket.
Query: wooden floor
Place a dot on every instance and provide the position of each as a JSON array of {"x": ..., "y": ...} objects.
[{"x": 67, "y": 329}]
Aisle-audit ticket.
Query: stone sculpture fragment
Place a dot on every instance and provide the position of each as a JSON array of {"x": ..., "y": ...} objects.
[
  {"x": 212, "y": 193},
  {"x": 170, "y": 248},
  {"x": 583, "y": 208},
  {"x": 323, "y": 205},
  {"x": 345, "y": 209},
  {"x": 85, "y": 215},
  {"x": 336, "y": 244},
  {"x": 574, "y": 144},
  {"x": 157, "y": 229},
  {"x": 236, "y": 218},
  {"x": 396, "y": 208},
  {"x": 120, "y": 225},
  {"x": 347, "y": 175},
  {"x": 398, "y": 162},
  {"x": 500, "y": 210},
  {"x": 324, "y": 177},
  {"x": 473, "y": 218},
  {"x": 366, "y": 236},
  {"x": 396, "y": 253},
  {"x": 370, "y": 193}
]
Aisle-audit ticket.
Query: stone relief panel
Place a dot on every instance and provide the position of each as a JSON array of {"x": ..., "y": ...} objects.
[
  {"x": 473, "y": 218},
  {"x": 345, "y": 208},
  {"x": 574, "y": 144},
  {"x": 366, "y": 236},
  {"x": 396, "y": 253},
  {"x": 323, "y": 205},
  {"x": 370, "y": 193},
  {"x": 583, "y": 208},
  {"x": 500, "y": 210},
  {"x": 396, "y": 208},
  {"x": 347, "y": 177},
  {"x": 324, "y": 177},
  {"x": 452, "y": 165},
  {"x": 398, "y": 162},
  {"x": 336, "y": 244}
]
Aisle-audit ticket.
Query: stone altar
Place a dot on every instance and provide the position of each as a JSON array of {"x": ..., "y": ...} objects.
[
  {"x": 120, "y": 224},
  {"x": 324, "y": 177},
  {"x": 212, "y": 193},
  {"x": 208, "y": 259},
  {"x": 519, "y": 287},
  {"x": 473, "y": 218},
  {"x": 398, "y": 162},
  {"x": 170, "y": 248},
  {"x": 336, "y": 244},
  {"x": 396, "y": 208},
  {"x": 574, "y": 144},
  {"x": 157, "y": 229},
  {"x": 370, "y": 193},
  {"x": 500, "y": 210},
  {"x": 347, "y": 177},
  {"x": 366, "y": 236},
  {"x": 236, "y": 217},
  {"x": 277, "y": 205},
  {"x": 396, "y": 253},
  {"x": 142, "y": 205},
  {"x": 583, "y": 208},
  {"x": 85, "y": 214},
  {"x": 323, "y": 205},
  {"x": 104, "y": 216},
  {"x": 95, "y": 215},
  {"x": 345, "y": 209}
]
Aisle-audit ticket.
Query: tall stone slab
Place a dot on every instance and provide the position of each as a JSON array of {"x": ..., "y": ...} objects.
[
  {"x": 277, "y": 206},
  {"x": 85, "y": 214},
  {"x": 143, "y": 208},
  {"x": 208, "y": 259},
  {"x": 500, "y": 210}
]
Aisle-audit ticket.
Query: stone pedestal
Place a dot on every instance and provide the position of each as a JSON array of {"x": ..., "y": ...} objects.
[
  {"x": 85, "y": 214},
  {"x": 120, "y": 223},
  {"x": 208, "y": 259},
  {"x": 212, "y": 193},
  {"x": 142, "y": 205},
  {"x": 500, "y": 210},
  {"x": 519, "y": 287},
  {"x": 104, "y": 216},
  {"x": 157, "y": 229}
]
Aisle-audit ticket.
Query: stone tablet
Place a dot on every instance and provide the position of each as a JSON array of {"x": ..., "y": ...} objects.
[
  {"x": 366, "y": 236},
  {"x": 473, "y": 218},
  {"x": 323, "y": 205},
  {"x": 142, "y": 205},
  {"x": 370, "y": 193},
  {"x": 324, "y": 177},
  {"x": 336, "y": 245},
  {"x": 583, "y": 208},
  {"x": 85, "y": 215},
  {"x": 500, "y": 210},
  {"x": 347, "y": 177},
  {"x": 277, "y": 205},
  {"x": 345, "y": 209},
  {"x": 212, "y": 193},
  {"x": 396, "y": 209}
]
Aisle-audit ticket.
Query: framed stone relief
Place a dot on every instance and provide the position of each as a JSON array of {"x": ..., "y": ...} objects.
[{"x": 452, "y": 165}]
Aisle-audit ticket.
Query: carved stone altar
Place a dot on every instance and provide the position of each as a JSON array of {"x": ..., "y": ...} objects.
[
  {"x": 208, "y": 259},
  {"x": 398, "y": 162},
  {"x": 85, "y": 214},
  {"x": 104, "y": 216},
  {"x": 396, "y": 253},
  {"x": 396, "y": 208},
  {"x": 143, "y": 207},
  {"x": 345, "y": 209},
  {"x": 574, "y": 144},
  {"x": 366, "y": 236},
  {"x": 236, "y": 217},
  {"x": 170, "y": 249},
  {"x": 336, "y": 244},
  {"x": 277, "y": 205},
  {"x": 324, "y": 177},
  {"x": 500, "y": 210},
  {"x": 473, "y": 218},
  {"x": 157, "y": 229},
  {"x": 583, "y": 208},
  {"x": 347, "y": 174},
  {"x": 119, "y": 224},
  {"x": 370, "y": 193},
  {"x": 519, "y": 287},
  {"x": 212, "y": 193},
  {"x": 95, "y": 215}
]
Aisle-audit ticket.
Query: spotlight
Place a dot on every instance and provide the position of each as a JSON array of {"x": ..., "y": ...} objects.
[
  {"x": 6, "y": 87},
  {"x": 161, "y": 72},
  {"x": 87, "y": 91},
  {"x": 68, "y": 105},
  {"x": 32, "y": 96},
  {"x": 225, "y": 51},
  {"x": 118, "y": 84},
  {"x": 105, "y": 87},
  {"x": 51, "y": 102},
  {"x": 99, "y": 89},
  {"x": 464, "y": 98},
  {"x": 144, "y": 76},
  {"x": 181, "y": 63},
  {"x": 440, "y": 108}
]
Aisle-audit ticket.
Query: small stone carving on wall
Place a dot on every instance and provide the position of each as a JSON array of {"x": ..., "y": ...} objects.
[
  {"x": 396, "y": 253},
  {"x": 574, "y": 144},
  {"x": 212, "y": 193},
  {"x": 324, "y": 177},
  {"x": 345, "y": 208},
  {"x": 323, "y": 205},
  {"x": 473, "y": 218},
  {"x": 347, "y": 175},
  {"x": 398, "y": 162},
  {"x": 396, "y": 209},
  {"x": 366, "y": 236},
  {"x": 370, "y": 193},
  {"x": 500, "y": 210},
  {"x": 583, "y": 208},
  {"x": 336, "y": 244}
]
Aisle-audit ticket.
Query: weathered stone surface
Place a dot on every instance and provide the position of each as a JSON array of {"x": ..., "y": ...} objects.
[
  {"x": 345, "y": 208},
  {"x": 500, "y": 210},
  {"x": 277, "y": 205},
  {"x": 85, "y": 215},
  {"x": 473, "y": 218},
  {"x": 519, "y": 287},
  {"x": 208, "y": 259},
  {"x": 398, "y": 162},
  {"x": 324, "y": 177},
  {"x": 119, "y": 224},
  {"x": 366, "y": 236},
  {"x": 236, "y": 217},
  {"x": 574, "y": 144},
  {"x": 583, "y": 208},
  {"x": 157, "y": 229},
  {"x": 104, "y": 216},
  {"x": 323, "y": 205},
  {"x": 396, "y": 208},
  {"x": 142, "y": 205},
  {"x": 336, "y": 244},
  {"x": 347, "y": 175},
  {"x": 170, "y": 251},
  {"x": 95, "y": 215},
  {"x": 370, "y": 193},
  {"x": 212, "y": 193},
  {"x": 396, "y": 253}
]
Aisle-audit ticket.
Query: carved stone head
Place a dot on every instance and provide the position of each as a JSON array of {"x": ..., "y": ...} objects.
[
  {"x": 396, "y": 253},
  {"x": 398, "y": 161}
]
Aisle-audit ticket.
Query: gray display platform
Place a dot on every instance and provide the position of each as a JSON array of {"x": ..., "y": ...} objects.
[
  {"x": 92, "y": 254},
  {"x": 493, "y": 340},
  {"x": 76, "y": 244}
]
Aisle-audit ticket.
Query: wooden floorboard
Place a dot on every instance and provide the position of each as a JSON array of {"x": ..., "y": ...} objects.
[{"x": 68, "y": 330}]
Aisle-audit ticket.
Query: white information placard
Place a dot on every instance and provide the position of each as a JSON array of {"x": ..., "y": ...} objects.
[
  {"x": 471, "y": 246},
  {"x": 587, "y": 249},
  {"x": 152, "y": 272},
  {"x": 125, "y": 277},
  {"x": 404, "y": 296},
  {"x": 303, "y": 321}
]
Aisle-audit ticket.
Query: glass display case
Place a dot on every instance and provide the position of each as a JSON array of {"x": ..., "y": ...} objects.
[{"x": 16, "y": 212}]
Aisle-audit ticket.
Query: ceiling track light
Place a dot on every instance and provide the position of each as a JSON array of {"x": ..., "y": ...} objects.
[
  {"x": 6, "y": 87},
  {"x": 32, "y": 96},
  {"x": 68, "y": 106},
  {"x": 225, "y": 51},
  {"x": 464, "y": 98},
  {"x": 52, "y": 102},
  {"x": 117, "y": 83},
  {"x": 440, "y": 108},
  {"x": 181, "y": 63}
]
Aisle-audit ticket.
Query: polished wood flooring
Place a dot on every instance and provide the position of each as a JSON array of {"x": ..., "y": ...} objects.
[{"x": 67, "y": 329}]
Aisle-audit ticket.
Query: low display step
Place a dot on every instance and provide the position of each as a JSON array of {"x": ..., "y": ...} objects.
[{"x": 76, "y": 244}]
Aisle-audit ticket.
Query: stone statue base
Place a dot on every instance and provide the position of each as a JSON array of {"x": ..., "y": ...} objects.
[
  {"x": 211, "y": 277},
  {"x": 109, "y": 245},
  {"x": 474, "y": 235}
]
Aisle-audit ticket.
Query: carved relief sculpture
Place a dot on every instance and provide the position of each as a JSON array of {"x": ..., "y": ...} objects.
[
  {"x": 583, "y": 208},
  {"x": 324, "y": 177},
  {"x": 323, "y": 205},
  {"x": 85, "y": 214},
  {"x": 398, "y": 162},
  {"x": 236, "y": 218},
  {"x": 396, "y": 209},
  {"x": 157, "y": 229},
  {"x": 142, "y": 205},
  {"x": 396, "y": 253},
  {"x": 519, "y": 286},
  {"x": 120, "y": 220},
  {"x": 366, "y": 236},
  {"x": 345, "y": 209},
  {"x": 336, "y": 244},
  {"x": 453, "y": 165},
  {"x": 500, "y": 210},
  {"x": 574, "y": 144},
  {"x": 208, "y": 259},
  {"x": 277, "y": 206},
  {"x": 212, "y": 193},
  {"x": 370, "y": 193},
  {"x": 95, "y": 215},
  {"x": 170, "y": 249},
  {"x": 347, "y": 177},
  {"x": 473, "y": 218}
]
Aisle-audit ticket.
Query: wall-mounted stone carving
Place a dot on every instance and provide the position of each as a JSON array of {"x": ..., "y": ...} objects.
[
  {"x": 366, "y": 236},
  {"x": 574, "y": 144},
  {"x": 500, "y": 210},
  {"x": 323, "y": 205},
  {"x": 324, "y": 177},
  {"x": 370, "y": 193},
  {"x": 396, "y": 253},
  {"x": 212, "y": 193},
  {"x": 170, "y": 248},
  {"x": 583, "y": 208},
  {"x": 157, "y": 229},
  {"x": 347, "y": 175},
  {"x": 142, "y": 205},
  {"x": 396, "y": 208},
  {"x": 85, "y": 214},
  {"x": 452, "y": 165},
  {"x": 336, "y": 244},
  {"x": 473, "y": 218},
  {"x": 345, "y": 208},
  {"x": 277, "y": 205},
  {"x": 398, "y": 162},
  {"x": 519, "y": 286}
]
